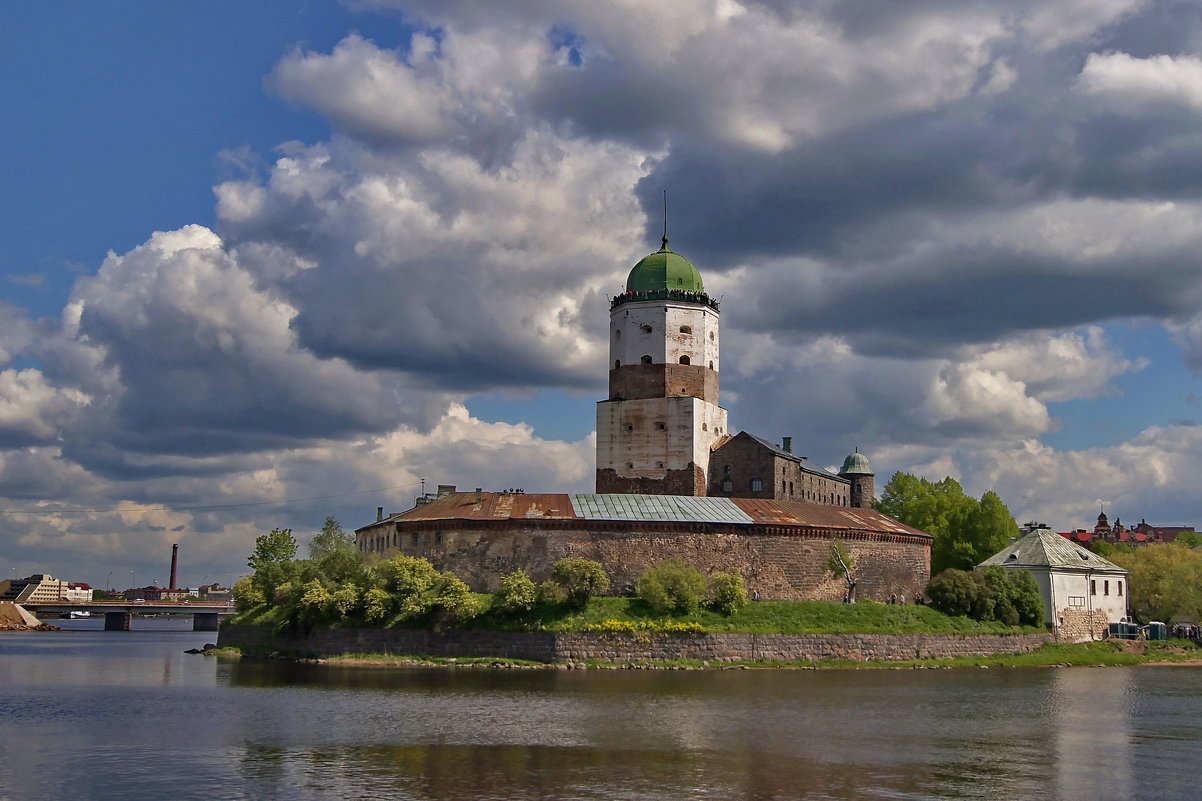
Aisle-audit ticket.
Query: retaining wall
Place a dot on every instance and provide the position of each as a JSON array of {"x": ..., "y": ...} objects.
[{"x": 578, "y": 647}]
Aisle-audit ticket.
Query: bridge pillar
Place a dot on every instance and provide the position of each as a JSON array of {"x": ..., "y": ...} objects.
[
  {"x": 117, "y": 621},
  {"x": 204, "y": 621}
]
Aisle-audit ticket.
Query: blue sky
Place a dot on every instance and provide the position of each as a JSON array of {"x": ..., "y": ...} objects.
[{"x": 355, "y": 245}]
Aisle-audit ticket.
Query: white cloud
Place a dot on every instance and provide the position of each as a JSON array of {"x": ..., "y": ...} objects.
[
  {"x": 1126, "y": 83},
  {"x": 1051, "y": 25}
]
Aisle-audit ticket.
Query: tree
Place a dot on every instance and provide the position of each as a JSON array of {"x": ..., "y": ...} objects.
[
  {"x": 841, "y": 565},
  {"x": 335, "y": 554},
  {"x": 277, "y": 546},
  {"x": 728, "y": 593},
  {"x": 580, "y": 579},
  {"x": 518, "y": 593},
  {"x": 966, "y": 531},
  {"x": 247, "y": 595},
  {"x": 1158, "y": 586},
  {"x": 672, "y": 586},
  {"x": 1190, "y": 539}
]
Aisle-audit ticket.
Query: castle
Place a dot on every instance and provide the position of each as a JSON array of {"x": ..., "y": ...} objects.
[{"x": 671, "y": 481}]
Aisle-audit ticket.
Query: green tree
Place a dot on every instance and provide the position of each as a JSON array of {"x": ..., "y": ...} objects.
[
  {"x": 334, "y": 553},
  {"x": 272, "y": 560},
  {"x": 1190, "y": 539},
  {"x": 247, "y": 595},
  {"x": 672, "y": 586},
  {"x": 960, "y": 593},
  {"x": 966, "y": 531},
  {"x": 728, "y": 593},
  {"x": 1157, "y": 587},
  {"x": 580, "y": 579},
  {"x": 452, "y": 600},
  {"x": 518, "y": 593}
]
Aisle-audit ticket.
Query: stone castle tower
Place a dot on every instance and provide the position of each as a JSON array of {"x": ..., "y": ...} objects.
[
  {"x": 656, "y": 430},
  {"x": 863, "y": 481}
]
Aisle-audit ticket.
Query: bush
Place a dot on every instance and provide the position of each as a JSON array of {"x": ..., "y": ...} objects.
[
  {"x": 958, "y": 592},
  {"x": 518, "y": 593},
  {"x": 728, "y": 594},
  {"x": 345, "y": 599},
  {"x": 550, "y": 593},
  {"x": 672, "y": 586},
  {"x": 377, "y": 604},
  {"x": 580, "y": 580},
  {"x": 452, "y": 600},
  {"x": 247, "y": 595}
]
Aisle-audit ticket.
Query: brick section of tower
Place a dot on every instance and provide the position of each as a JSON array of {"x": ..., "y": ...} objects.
[
  {"x": 863, "y": 488},
  {"x": 689, "y": 481},
  {"x": 634, "y": 381}
]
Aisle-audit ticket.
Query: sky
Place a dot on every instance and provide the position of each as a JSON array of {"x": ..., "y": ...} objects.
[{"x": 265, "y": 263}]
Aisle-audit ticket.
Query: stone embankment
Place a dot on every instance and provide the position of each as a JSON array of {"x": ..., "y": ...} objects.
[
  {"x": 14, "y": 617},
  {"x": 551, "y": 647}
]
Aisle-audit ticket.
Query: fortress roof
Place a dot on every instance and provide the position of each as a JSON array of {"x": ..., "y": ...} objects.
[
  {"x": 649, "y": 508},
  {"x": 664, "y": 269}
]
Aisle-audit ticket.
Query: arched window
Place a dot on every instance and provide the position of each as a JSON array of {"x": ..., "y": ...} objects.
[
  {"x": 711, "y": 336},
  {"x": 617, "y": 333},
  {"x": 617, "y": 364},
  {"x": 686, "y": 329},
  {"x": 711, "y": 365},
  {"x": 684, "y": 359},
  {"x": 646, "y": 360},
  {"x": 646, "y": 329},
  {"x": 705, "y": 427},
  {"x": 630, "y": 465}
]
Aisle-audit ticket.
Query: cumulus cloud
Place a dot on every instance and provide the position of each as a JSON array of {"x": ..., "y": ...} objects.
[{"x": 1127, "y": 83}]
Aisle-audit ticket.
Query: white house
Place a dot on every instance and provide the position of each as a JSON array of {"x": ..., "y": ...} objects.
[{"x": 1082, "y": 592}]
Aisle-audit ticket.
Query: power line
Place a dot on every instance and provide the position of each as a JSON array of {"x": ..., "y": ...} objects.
[{"x": 199, "y": 508}]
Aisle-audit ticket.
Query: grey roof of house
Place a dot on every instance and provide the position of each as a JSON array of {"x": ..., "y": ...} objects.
[
  {"x": 1045, "y": 548},
  {"x": 803, "y": 461},
  {"x": 658, "y": 507}
]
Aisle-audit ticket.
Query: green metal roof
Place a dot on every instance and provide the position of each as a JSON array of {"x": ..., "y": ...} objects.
[
  {"x": 856, "y": 464},
  {"x": 664, "y": 269}
]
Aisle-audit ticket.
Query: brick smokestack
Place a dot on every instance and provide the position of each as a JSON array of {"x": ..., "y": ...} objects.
[{"x": 174, "y": 563}]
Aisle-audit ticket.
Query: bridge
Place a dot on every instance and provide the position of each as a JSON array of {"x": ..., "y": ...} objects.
[{"x": 118, "y": 615}]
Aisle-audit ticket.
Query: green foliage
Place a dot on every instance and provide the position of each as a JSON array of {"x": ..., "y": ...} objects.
[
  {"x": 247, "y": 594},
  {"x": 728, "y": 594},
  {"x": 1163, "y": 584},
  {"x": 580, "y": 579},
  {"x": 1190, "y": 539},
  {"x": 345, "y": 600},
  {"x": 671, "y": 586},
  {"x": 1010, "y": 597},
  {"x": 377, "y": 604},
  {"x": 841, "y": 563},
  {"x": 958, "y": 592},
  {"x": 335, "y": 555},
  {"x": 452, "y": 600},
  {"x": 313, "y": 606},
  {"x": 966, "y": 531},
  {"x": 283, "y": 594},
  {"x": 405, "y": 576},
  {"x": 549, "y": 592},
  {"x": 517, "y": 594},
  {"x": 272, "y": 560}
]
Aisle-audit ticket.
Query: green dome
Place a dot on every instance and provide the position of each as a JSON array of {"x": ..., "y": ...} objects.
[
  {"x": 856, "y": 464},
  {"x": 664, "y": 269}
]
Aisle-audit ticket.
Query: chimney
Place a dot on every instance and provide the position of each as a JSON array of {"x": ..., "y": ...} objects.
[
  {"x": 445, "y": 489},
  {"x": 479, "y": 494},
  {"x": 379, "y": 513},
  {"x": 787, "y": 444},
  {"x": 174, "y": 563}
]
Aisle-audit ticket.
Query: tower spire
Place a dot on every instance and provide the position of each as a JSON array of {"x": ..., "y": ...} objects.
[{"x": 664, "y": 243}]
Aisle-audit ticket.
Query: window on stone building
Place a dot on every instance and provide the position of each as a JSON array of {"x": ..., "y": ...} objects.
[
  {"x": 630, "y": 428},
  {"x": 711, "y": 336},
  {"x": 686, "y": 329},
  {"x": 711, "y": 365},
  {"x": 646, "y": 360},
  {"x": 617, "y": 363},
  {"x": 630, "y": 465},
  {"x": 757, "y": 485},
  {"x": 661, "y": 426},
  {"x": 438, "y": 538},
  {"x": 684, "y": 360},
  {"x": 728, "y": 485},
  {"x": 783, "y": 487},
  {"x": 790, "y": 489},
  {"x": 617, "y": 333},
  {"x": 726, "y": 469},
  {"x": 1093, "y": 587},
  {"x": 646, "y": 329},
  {"x": 705, "y": 427},
  {"x": 659, "y": 464}
]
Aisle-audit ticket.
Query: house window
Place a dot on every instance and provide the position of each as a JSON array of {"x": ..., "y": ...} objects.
[
  {"x": 438, "y": 538},
  {"x": 757, "y": 485},
  {"x": 1093, "y": 587},
  {"x": 646, "y": 360},
  {"x": 728, "y": 485},
  {"x": 726, "y": 469},
  {"x": 660, "y": 426},
  {"x": 1076, "y": 600},
  {"x": 686, "y": 329},
  {"x": 684, "y": 360},
  {"x": 1105, "y": 587},
  {"x": 659, "y": 464},
  {"x": 711, "y": 365},
  {"x": 1119, "y": 587},
  {"x": 790, "y": 488}
]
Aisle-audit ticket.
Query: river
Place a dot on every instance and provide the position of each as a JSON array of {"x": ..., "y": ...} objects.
[{"x": 88, "y": 714}]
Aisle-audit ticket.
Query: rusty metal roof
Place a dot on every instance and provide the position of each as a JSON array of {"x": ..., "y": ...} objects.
[{"x": 650, "y": 508}]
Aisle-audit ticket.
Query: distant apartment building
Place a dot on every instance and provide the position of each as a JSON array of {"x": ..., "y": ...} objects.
[
  {"x": 153, "y": 593},
  {"x": 38, "y": 588}
]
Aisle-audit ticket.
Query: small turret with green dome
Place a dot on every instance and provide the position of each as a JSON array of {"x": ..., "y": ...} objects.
[{"x": 856, "y": 464}]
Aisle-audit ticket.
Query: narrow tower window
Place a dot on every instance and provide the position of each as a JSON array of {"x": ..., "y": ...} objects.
[
  {"x": 617, "y": 333},
  {"x": 646, "y": 329},
  {"x": 711, "y": 365},
  {"x": 617, "y": 364},
  {"x": 686, "y": 329},
  {"x": 646, "y": 360},
  {"x": 684, "y": 359}
]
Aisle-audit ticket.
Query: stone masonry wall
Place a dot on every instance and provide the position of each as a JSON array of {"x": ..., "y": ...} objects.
[
  {"x": 1079, "y": 625},
  {"x": 781, "y": 563},
  {"x": 579, "y": 647}
]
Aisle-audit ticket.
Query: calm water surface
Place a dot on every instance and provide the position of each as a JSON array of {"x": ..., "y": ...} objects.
[{"x": 89, "y": 714}]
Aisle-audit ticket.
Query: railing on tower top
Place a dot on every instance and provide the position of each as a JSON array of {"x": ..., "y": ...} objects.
[{"x": 665, "y": 294}]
